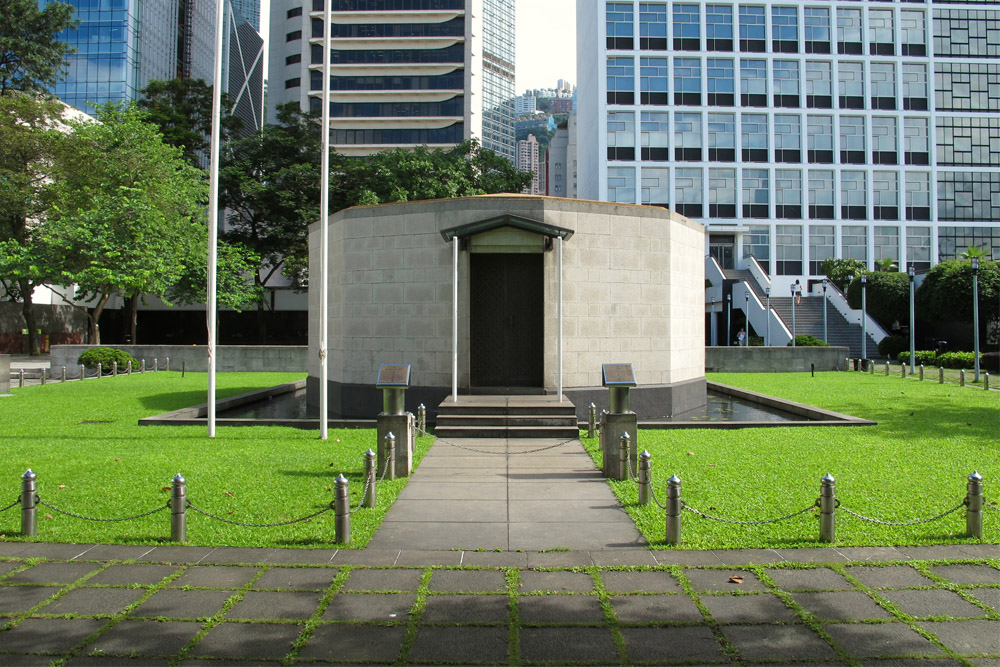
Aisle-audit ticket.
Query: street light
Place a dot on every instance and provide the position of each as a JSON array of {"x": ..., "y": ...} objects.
[
  {"x": 975, "y": 316},
  {"x": 714, "y": 325},
  {"x": 864, "y": 319},
  {"x": 767, "y": 328},
  {"x": 910, "y": 272},
  {"x": 825, "y": 339},
  {"x": 793, "y": 315},
  {"x": 746, "y": 312},
  {"x": 729, "y": 312}
]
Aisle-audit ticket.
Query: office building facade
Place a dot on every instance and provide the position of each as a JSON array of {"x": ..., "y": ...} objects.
[
  {"x": 801, "y": 131},
  {"x": 527, "y": 161},
  {"x": 404, "y": 73}
]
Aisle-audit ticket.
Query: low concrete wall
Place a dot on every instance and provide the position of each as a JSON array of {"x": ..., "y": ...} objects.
[
  {"x": 4, "y": 373},
  {"x": 774, "y": 359},
  {"x": 229, "y": 358}
]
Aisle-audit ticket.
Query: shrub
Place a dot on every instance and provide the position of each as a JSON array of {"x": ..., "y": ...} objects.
[
  {"x": 841, "y": 271},
  {"x": 956, "y": 359},
  {"x": 925, "y": 357},
  {"x": 888, "y": 296},
  {"x": 808, "y": 341},
  {"x": 892, "y": 346},
  {"x": 990, "y": 362},
  {"x": 106, "y": 356}
]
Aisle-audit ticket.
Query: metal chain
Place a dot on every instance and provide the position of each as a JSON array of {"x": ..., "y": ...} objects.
[
  {"x": 992, "y": 505},
  {"x": 529, "y": 451},
  {"x": 385, "y": 469},
  {"x": 904, "y": 523},
  {"x": 16, "y": 502},
  {"x": 751, "y": 523},
  {"x": 652, "y": 491},
  {"x": 329, "y": 508},
  {"x": 90, "y": 518},
  {"x": 631, "y": 473},
  {"x": 364, "y": 493}
]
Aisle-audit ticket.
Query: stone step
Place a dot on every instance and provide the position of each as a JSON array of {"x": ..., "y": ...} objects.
[
  {"x": 506, "y": 420},
  {"x": 560, "y": 432},
  {"x": 527, "y": 409}
]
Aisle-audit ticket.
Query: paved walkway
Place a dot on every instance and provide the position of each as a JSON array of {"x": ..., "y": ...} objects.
[
  {"x": 509, "y": 494},
  {"x": 140, "y": 605}
]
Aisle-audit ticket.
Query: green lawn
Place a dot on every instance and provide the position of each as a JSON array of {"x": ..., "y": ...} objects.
[
  {"x": 91, "y": 458},
  {"x": 912, "y": 465}
]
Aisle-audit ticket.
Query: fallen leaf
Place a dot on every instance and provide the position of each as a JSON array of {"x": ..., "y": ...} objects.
[
  {"x": 48, "y": 516},
  {"x": 62, "y": 486},
  {"x": 117, "y": 459},
  {"x": 736, "y": 579},
  {"x": 338, "y": 439},
  {"x": 165, "y": 488},
  {"x": 690, "y": 453},
  {"x": 228, "y": 493},
  {"x": 230, "y": 512},
  {"x": 712, "y": 464}
]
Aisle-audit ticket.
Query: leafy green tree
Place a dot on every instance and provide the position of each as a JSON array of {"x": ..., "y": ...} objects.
[
  {"x": 842, "y": 271},
  {"x": 945, "y": 295},
  {"x": 31, "y": 58},
  {"x": 888, "y": 297}
]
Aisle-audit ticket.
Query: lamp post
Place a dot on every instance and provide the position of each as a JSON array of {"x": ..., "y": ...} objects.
[
  {"x": 825, "y": 339},
  {"x": 729, "y": 312},
  {"x": 910, "y": 272},
  {"x": 746, "y": 311},
  {"x": 793, "y": 315},
  {"x": 767, "y": 327},
  {"x": 714, "y": 326},
  {"x": 864, "y": 319},
  {"x": 975, "y": 317}
]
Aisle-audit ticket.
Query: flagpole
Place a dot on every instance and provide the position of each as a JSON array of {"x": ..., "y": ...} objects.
[
  {"x": 213, "y": 213},
  {"x": 324, "y": 221}
]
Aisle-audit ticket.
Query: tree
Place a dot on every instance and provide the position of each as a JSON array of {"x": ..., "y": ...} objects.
[
  {"x": 129, "y": 212},
  {"x": 31, "y": 58},
  {"x": 945, "y": 295},
  {"x": 887, "y": 296},
  {"x": 842, "y": 271},
  {"x": 31, "y": 141},
  {"x": 886, "y": 265}
]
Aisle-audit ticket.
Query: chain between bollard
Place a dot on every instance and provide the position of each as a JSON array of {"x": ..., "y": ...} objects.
[
  {"x": 752, "y": 523},
  {"x": 631, "y": 473},
  {"x": 992, "y": 505},
  {"x": 364, "y": 493},
  {"x": 328, "y": 508},
  {"x": 905, "y": 523},
  {"x": 529, "y": 451},
  {"x": 11, "y": 506},
  {"x": 90, "y": 518}
]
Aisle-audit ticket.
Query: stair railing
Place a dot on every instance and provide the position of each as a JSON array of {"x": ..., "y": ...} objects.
[
  {"x": 758, "y": 315},
  {"x": 715, "y": 275},
  {"x": 760, "y": 275},
  {"x": 853, "y": 316}
]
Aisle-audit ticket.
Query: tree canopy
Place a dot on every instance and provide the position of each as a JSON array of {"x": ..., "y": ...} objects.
[
  {"x": 182, "y": 109},
  {"x": 945, "y": 295},
  {"x": 31, "y": 58}
]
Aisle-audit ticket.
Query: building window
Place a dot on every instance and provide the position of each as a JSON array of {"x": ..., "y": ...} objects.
[
  {"x": 786, "y": 83},
  {"x": 881, "y": 35},
  {"x": 821, "y": 247},
  {"x": 918, "y": 248},
  {"x": 851, "y": 85},
  {"x": 722, "y": 193},
  {"x": 721, "y": 137},
  {"x": 621, "y": 185},
  {"x": 754, "y": 137},
  {"x": 918, "y": 195},
  {"x": 753, "y": 29},
  {"x": 852, "y": 140},
  {"x": 293, "y": 83},
  {"x": 687, "y": 137},
  {"x": 293, "y": 35},
  {"x": 688, "y": 199},
  {"x": 621, "y": 135},
  {"x": 820, "y": 137},
  {"x": 687, "y": 28},
  {"x": 968, "y": 141},
  {"x": 756, "y": 194},
  {"x": 753, "y": 83},
  {"x": 916, "y": 142},
  {"x": 656, "y": 187},
  {"x": 854, "y": 242},
  {"x": 293, "y": 59},
  {"x": 819, "y": 85},
  {"x": 621, "y": 80},
  {"x": 853, "y": 199},
  {"x": 966, "y": 86},
  {"x": 787, "y": 138},
  {"x": 915, "y": 87},
  {"x": 849, "y": 31},
  {"x": 883, "y": 86},
  {"x": 817, "y": 29},
  {"x": 620, "y": 25},
  {"x": 757, "y": 244},
  {"x": 687, "y": 81},
  {"x": 719, "y": 27},
  {"x": 654, "y": 131},
  {"x": 788, "y": 193},
  {"x": 885, "y": 193},
  {"x": 821, "y": 205},
  {"x": 886, "y": 244},
  {"x": 653, "y": 75},
  {"x": 973, "y": 196},
  {"x": 952, "y": 241},
  {"x": 721, "y": 82},
  {"x": 293, "y": 12},
  {"x": 884, "y": 149},
  {"x": 967, "y": 33},
  {"x": 784, "y": 29},
  {"x": 788, "y": 249},
  {"x": 652, "y": 27},
  {"x": 913, "y": 33}
]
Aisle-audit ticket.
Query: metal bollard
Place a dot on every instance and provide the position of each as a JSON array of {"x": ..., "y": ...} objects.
[
  {"x": 83, "y": 371},
  {"x": 29, "y": 518},
  {"x": 961, "y": 377},
  {"x": 370, "y": 475},
  {"x": 645, "y": 461},
  {"x": 847, "y": 361},
  {"x": 183, "y": 368},
  {"x": 591, "y": 420},
  {"x": 974, "y": 506},
  {"x": 100, "y": 371},
  {"x": 44, "y": 373},
  {"x": 390, "y": 452},
  {"x": 674, "y": 508},
  {"x": 128, "y": 367},
  {"x": 178, "y": 510},
  {"x": 921, "y": 372},
  {"x": 828, "y": 509},
  {"x": 902, "y": 370},
  {"x": 887, "y": 369},
  {"x": 342, "y": 510},
  {"x": 142, "y": 366},
  {"x": 156, "y": 364},
  {"x": 986, "y": 381},
  {"x": 623, "y": 447},
  {"x": 871, "y": 367},
  {"x": 940, "y": 374},
  {"x": 20, "y": 378},
  {"x": 167, "y": 366},
  {"x": 422, "y": 418},
  {"x": 114, "y": 369},
  {"x": 63, "y": 373}
]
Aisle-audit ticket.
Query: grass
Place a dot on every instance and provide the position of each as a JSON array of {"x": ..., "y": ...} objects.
[
  {"x": 912, "y": 465},
  {"x": 91, "y": 458}
]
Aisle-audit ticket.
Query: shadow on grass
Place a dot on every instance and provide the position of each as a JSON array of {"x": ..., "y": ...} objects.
[
  {"x": 936, "y": 420},
  {"x": 175, "y": 400}
]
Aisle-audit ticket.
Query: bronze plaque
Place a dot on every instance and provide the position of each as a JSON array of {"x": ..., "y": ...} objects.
[
  {"x": 618, "y": 375},
  {"x": 393, "y": 375}
]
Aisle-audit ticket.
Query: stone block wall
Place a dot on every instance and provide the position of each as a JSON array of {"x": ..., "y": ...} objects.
[
  {"x": 774, "y": 359},
  {"x": 229, "y": 358}
]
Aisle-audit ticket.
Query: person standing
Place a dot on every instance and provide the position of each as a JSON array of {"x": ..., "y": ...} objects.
[{"x": 798, "y": 293}]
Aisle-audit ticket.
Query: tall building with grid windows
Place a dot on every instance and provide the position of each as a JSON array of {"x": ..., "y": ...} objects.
[
  {"x": 799, "y": 131},
  {"x": 404, "y": 73}
]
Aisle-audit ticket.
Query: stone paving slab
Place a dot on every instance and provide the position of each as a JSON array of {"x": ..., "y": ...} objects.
[
  {"x": 923, "y": 603},
  {"x": 840, "y": 605}
]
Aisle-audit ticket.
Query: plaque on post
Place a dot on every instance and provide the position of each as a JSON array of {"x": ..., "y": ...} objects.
[
  {"x": 393, "y": 379},
  {"x": 619, "y": 379}
]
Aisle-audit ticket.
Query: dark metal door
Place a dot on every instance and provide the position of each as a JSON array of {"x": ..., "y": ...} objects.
[{"x": 507, "y": 320}]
